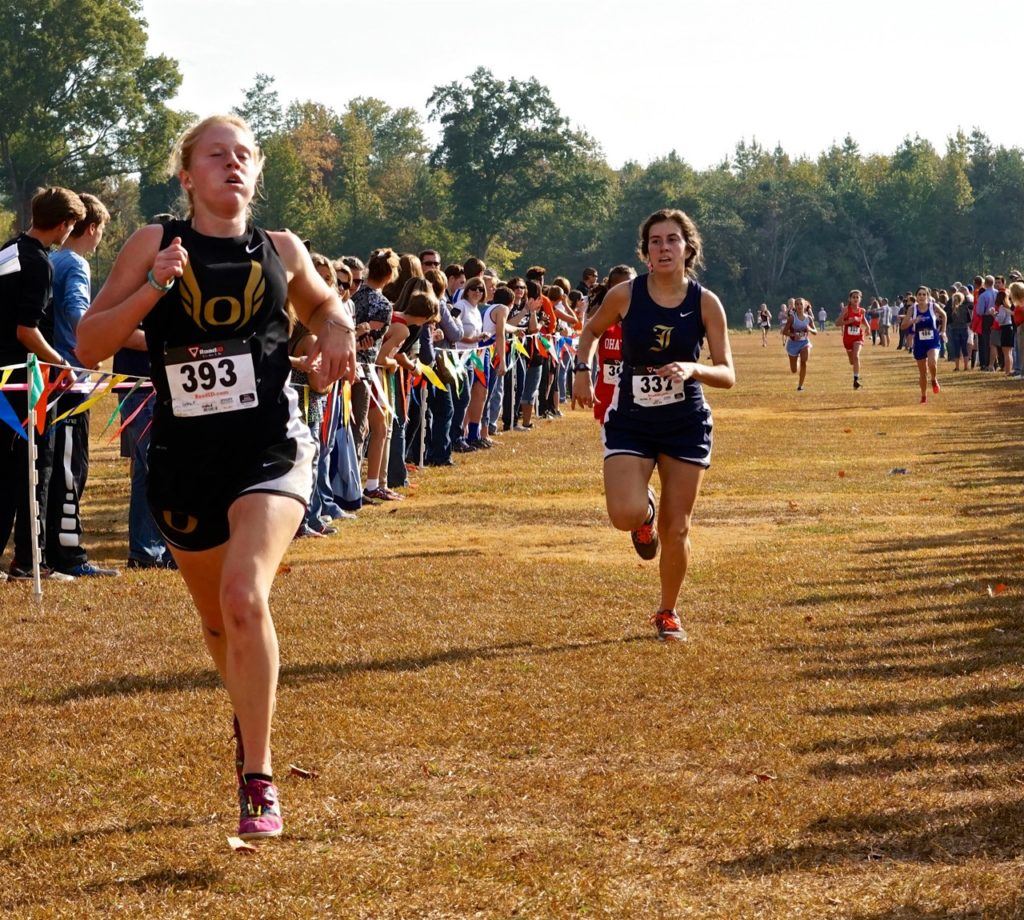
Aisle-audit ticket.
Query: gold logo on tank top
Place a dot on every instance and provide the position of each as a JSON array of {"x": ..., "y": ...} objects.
[
  {"x": 223, "y": 310},
  {"x": 662, "y": 335}
]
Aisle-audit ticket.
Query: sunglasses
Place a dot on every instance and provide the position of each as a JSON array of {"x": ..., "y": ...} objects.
[
  {"x": 431, "y": 264},
  {"x": 479, "y": 290},
  {"x": 519, "y": 287},
  {"x": 345, "y": 285},
  {"x": 357, "y": 282}
]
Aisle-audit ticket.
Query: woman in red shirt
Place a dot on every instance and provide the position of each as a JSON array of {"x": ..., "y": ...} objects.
[{"x": 852, "y": 322}]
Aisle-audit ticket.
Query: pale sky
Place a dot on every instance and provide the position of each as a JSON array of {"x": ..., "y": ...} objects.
[{"x": 643, "y": 78}]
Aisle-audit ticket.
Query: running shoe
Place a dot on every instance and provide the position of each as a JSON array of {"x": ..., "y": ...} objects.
[
  {"x": 482, "y": 443},
  {"x": 239, "y": 751},
  {"x": 856, "y": 383},
  {"x": 24, "y": 573},
  {"x": 935, "y": 386},
  {"x": 259, "y": 810},
  {"x": 165, "y": 563},
  {"x": 670, "y": 629},
  {"x": 800, "y": 388},
  {"x": 393, "y": 495},
  {"x": 645, "y": 537},
  {"x": 924, "y": 399},
  {"x": 91, "y": 570},
  {"x": 306, "y": 531},
  {"x": 380, "y": 494}
]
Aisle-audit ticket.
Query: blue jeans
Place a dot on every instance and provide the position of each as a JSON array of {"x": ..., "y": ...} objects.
[
  {"x": 145, "y": 544},
  {"x": 531, "y": 384},
  {"x": 460, "y": 403},
  {"x": 439, "y": 444},
  {"x": 563, "y": 370},
  {"x": 495, "y": 397}
]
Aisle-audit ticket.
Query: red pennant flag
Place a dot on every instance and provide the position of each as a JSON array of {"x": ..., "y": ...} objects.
[{"x": 48, "y": 388}]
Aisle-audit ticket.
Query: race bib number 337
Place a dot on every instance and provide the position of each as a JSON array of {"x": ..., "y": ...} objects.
[
  {"x": 652, "y": 390},
  {"x": 210, "y": 379}
]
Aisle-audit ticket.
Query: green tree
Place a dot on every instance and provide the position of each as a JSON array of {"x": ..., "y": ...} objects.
[
  {"x": 261, "y": 108},
  {"x": 79, "y": 98},
  {"x": 507, "y": 147}
]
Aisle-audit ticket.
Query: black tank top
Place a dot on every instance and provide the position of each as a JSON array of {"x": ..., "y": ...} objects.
[
  {"x": 653, "y": 335},
  {"x": 218, "y": 346}
]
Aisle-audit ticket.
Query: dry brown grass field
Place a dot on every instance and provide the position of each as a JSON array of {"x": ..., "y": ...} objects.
[{"x": 496, "y": 731}]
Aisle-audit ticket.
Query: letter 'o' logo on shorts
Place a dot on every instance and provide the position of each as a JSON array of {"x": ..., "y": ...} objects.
[{"x": 180, "y": 521}]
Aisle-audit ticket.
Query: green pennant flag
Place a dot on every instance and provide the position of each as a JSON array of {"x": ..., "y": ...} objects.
[
  {"x": 455, "y": 369},
  {"x": 117, "y": 408},
  {"x": 36, "y": 385},
  {"x": 478, "y": 363}
]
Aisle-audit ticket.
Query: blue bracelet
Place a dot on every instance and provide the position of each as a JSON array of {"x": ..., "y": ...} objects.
[{"x": 153, "y": 283}]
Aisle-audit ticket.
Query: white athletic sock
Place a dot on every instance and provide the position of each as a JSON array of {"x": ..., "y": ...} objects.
[{"x": 371, "y": 484}]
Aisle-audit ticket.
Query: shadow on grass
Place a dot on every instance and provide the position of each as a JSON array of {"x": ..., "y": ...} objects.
[
  {"x": 939, "y": 836},
  {"x": 166, "y": 879},
  {"x": 75, "y": 838},
  {"x": 916, "y": 681},
  {"x": 317, "y": 671}
]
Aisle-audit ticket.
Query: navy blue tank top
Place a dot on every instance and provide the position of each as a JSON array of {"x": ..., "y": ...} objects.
[
  {"x": 225, "y": 322},
  {"x": 653, "y": 335}
]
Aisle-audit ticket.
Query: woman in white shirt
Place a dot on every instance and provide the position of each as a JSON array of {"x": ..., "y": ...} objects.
[{"x": 472, "y": 335}]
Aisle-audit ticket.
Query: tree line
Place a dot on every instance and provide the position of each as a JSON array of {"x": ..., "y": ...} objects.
[{"x": 509, "y": 177}]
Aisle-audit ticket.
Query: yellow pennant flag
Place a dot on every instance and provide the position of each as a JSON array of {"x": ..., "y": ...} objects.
[
  {"x": 518, "y": 346},
  {"x": 6, "y": 376},
  {"x": 431, "y": 375},
  {"x": 346, "y": 401},
  {"x": 95, "y": 398}
]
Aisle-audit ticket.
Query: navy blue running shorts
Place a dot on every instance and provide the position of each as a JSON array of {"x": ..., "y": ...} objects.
[{"x": 687, "y": 439}]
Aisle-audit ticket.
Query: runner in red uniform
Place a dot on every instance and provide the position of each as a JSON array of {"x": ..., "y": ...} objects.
[
  {"x": 609, "y": 367},
  {"x": 853, "y": 323}
]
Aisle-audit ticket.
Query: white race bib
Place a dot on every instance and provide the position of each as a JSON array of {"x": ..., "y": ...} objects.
[
  {"x": 652, "y": 390},
  {"x": 925, "y": 335},
  {"x": 210, "y": 379},
  {"x": 611, "y": 371},
  {"x": 853, "y": 330}
]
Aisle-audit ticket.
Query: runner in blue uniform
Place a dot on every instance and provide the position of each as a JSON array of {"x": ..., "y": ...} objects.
[
  {"x": 229, "y": 461},
  {"x": 658, "y": 415},
  {"x": 928, "y": 322}
]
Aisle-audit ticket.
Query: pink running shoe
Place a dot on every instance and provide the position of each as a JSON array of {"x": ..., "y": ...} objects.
[
  {"x": 260, "y": 812},
  {"x": 935, "y": 386}
]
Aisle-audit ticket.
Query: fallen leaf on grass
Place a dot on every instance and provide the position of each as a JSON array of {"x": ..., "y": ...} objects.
[
  {"x": 926, "y": 499},
  {"x": 847, "y": 430},
  {"x": 808, "y": 619},
  {"x": 793, "y": 506},
  {"x": 240, "y": 846},
  {"x": 765, "y": 777},
  {"x": 842, "y": 474},
  {"x": 283, "y": 568},
  {"x": 302, "y": 773},
  {"x": 997, "y": 590}
]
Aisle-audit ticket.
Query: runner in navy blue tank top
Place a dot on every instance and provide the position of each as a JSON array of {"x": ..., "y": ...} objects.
[
  {"x": 658, "y": 415},
  {"x": 926, "y": 321},
  {"x": 230, "y": 467}
]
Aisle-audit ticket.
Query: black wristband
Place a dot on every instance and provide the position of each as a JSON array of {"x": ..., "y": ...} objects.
[{"x": 580, "y": 366}]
